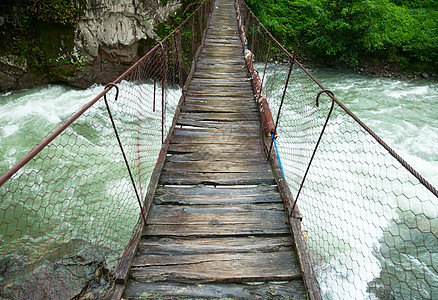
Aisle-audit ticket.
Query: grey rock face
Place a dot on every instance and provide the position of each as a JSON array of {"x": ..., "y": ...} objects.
[
  {"x": 116, "y": 27},
  {"x": 109, "y": 36}
]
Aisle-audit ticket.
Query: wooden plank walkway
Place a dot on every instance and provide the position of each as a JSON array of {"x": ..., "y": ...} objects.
[{"x": 217, "y": 227}]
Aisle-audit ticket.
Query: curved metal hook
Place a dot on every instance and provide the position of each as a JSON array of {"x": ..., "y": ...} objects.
[
  {"x": 117, "y": 90},
  {"x": 121, "y": 148},
  {"x": 328, "y": 92},
  {"x": 317, "y": 144},
  {"x": 161, "y": 45}
]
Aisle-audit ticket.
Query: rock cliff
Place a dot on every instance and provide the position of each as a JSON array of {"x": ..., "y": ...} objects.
[{"x": 95, "y": 44}]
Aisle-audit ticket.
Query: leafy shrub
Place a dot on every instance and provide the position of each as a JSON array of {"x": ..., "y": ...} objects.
[{"x": 349, "y": 31}]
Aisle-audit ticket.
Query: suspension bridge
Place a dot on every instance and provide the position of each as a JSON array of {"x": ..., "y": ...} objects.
[{"x": 203, "y": 151}]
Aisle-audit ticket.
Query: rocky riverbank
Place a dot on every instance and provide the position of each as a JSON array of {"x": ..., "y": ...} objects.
[
  {"x": 96, "y": 44},
  {"x": 377, "y": 69}
]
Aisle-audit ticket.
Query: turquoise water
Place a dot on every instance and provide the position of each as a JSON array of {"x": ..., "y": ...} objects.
[
  {"x": 82, "y": 199},
  {"x": 403, "y": 113},
  {"x": 372, "y": 227},
  {"x": 375, "y": 233}
]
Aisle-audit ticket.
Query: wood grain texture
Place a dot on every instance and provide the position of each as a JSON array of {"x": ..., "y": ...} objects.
[
  {"x": 214, "y": 139},
  {"x": 179, "y": 246},
  {"x": 292, "y": 290},
  {"x": 216, "y": 230},
  {"x": 229, "y": 166},
  {"x": 191, "y": 178},
  {"x": 218, "y": 268}
]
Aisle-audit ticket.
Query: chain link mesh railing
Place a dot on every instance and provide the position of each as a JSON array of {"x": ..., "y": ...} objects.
[
  {"x": 371, "y": 220},
  {"x": 69, "y": 208}
]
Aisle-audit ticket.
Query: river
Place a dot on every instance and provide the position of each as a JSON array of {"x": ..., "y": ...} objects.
[
  {"x": 403, "y": 113},
  {"x": 389, "y": 240}
]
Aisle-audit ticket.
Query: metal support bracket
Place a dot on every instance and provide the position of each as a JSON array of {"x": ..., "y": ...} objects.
[{"x": 110, "y": 85}]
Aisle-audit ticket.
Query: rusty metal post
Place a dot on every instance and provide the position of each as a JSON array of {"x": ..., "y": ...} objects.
[
  {"x": 163, "y": 88},
  {"x": 199, "y": 27},
  {"x": 193, "y": 37},
  {"x": 266, "y": 62},
  {"x": 254, "y": 34},
  {"x": 121, "y": 148},
  {"x": 155, "y": 89},
  {"x": 180, "y": 59},
  {"x": 317, "y": 143},
  {"x": 203, "y": 16},
  {"x": 248, "y": 20},
  {"x": 282, "y": 99}
]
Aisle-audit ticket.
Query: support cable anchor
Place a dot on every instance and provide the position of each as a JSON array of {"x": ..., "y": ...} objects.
[
  {"x": 110, "y": 85},
  {"x": 332, "y": 96}
]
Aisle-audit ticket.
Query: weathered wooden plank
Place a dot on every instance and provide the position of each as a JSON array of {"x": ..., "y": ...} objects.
[
  {"x": 219, "y": 116},
  {"x": 212, "y": 192},
  {"x": 177, "y": 218},
  {"x": 238, "y": 267},
  {"x": 213, "y": 139},
  {"x": 230, "y": 87},
  {"x": 222, "y": 106},
  {"x": 222, "y": 43},
  {"x": 220, "y": 90},
  {"x": 224, "y": 71},
  {"x": 207, "y": 157},
  {"x": 178, "y": 178},
  {"x": 217, "y": 75},
  {"x": 220, "y": 81},
  {"x": 214, "y": 131},
  {"x": 230, "y": 39},
  {"x": 175, "y": 200},
  {"x": 215, "y": 100},
  {"x": 230, "y": 99},
  {"x": 233, "y": 82},
  {"x": 205, "y": 192},
  {"x": 215, "y": 65},
  {"x": 211, "y": 51},
  {"x": 225, "y": 32},
  {"x": 218, "y": 125},
  {"x": 231, "y": 45},
  {"x": 221, "y": 68},
  {"x": 262, "y": 258},
  {"x": 223, "y": 62},
  {"x": 216, "y": 230},
  {"x": 215, "y": 94},
  {"x": 221, "y": 102},
  {"x": 245, "y": 132},
  {"x": 218, "y": 166},
  {"x": 178, "y": 246},
  {"x": 292, "y": 290},
  {"x": 218, "y": 209},
  {"x": 241, "y": 103},
  {"x": 198, "y": 78},
  {"x": 247, "y": 90},
  {"x": 213, "y": 149}
]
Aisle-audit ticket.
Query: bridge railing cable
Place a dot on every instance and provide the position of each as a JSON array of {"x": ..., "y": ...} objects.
[
  {"x": 369, "y": 217},
  {"x": 69, "y": 208}
]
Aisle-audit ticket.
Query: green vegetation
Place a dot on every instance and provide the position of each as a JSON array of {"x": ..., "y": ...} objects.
[
  {"x": 403, "y": 33},
  {"x": 42, "y": 35},
  {"x": 54, "y": 11},
  {"x": 187, "y": 8}
]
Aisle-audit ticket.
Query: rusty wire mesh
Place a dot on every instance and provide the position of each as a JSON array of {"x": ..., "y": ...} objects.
[
  {"x": 372, "y": 221},
  {"x": 67, "y": 214}
]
